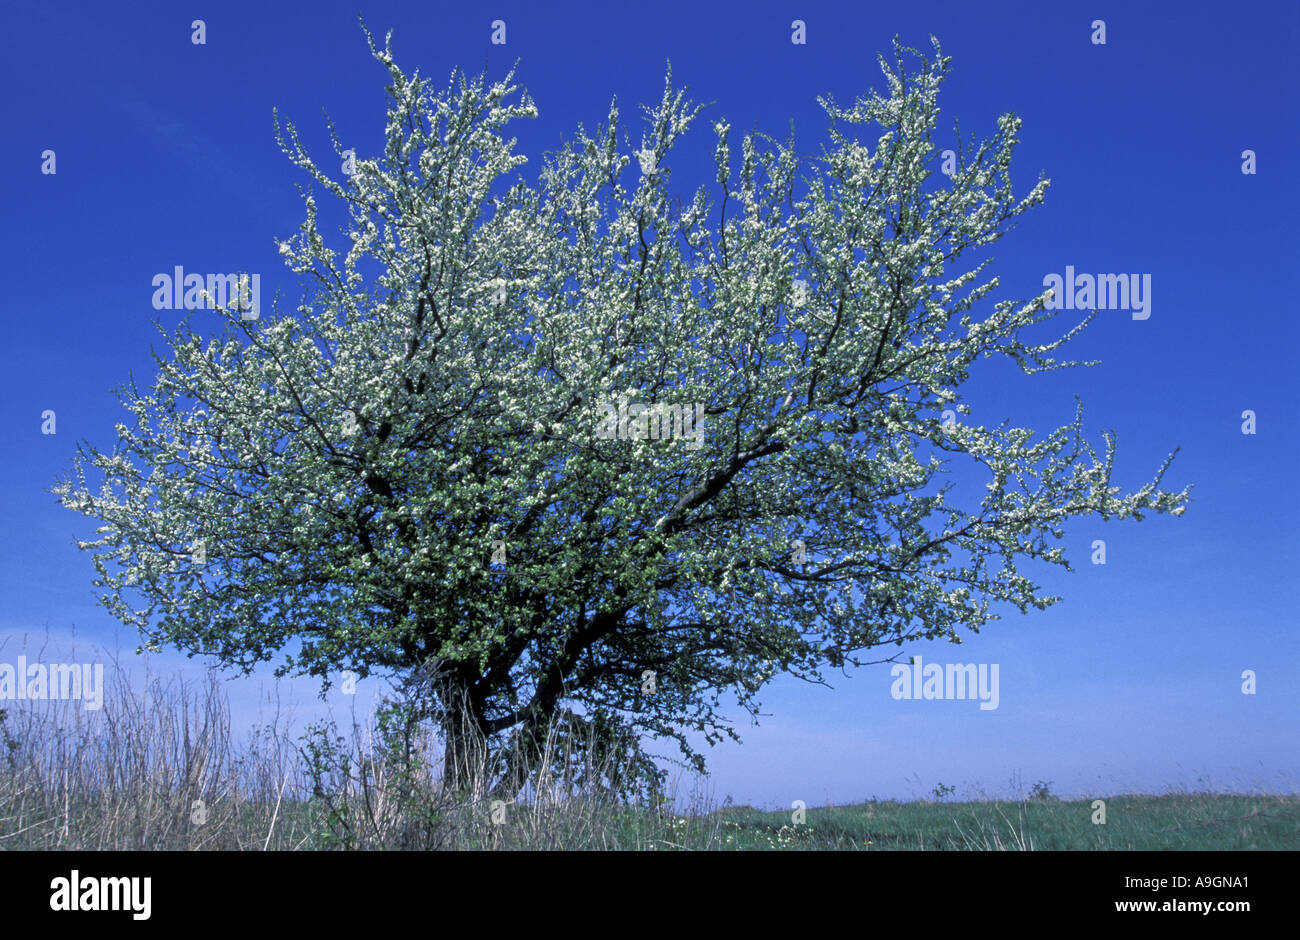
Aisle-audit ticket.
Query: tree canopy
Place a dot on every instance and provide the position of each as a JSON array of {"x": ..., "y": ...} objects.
[{"x": 581, "y": 450}]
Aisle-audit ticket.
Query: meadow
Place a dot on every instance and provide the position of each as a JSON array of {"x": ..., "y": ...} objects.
[{"x": 158, "y": 768}]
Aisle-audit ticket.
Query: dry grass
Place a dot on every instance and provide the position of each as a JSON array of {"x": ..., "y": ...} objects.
[{"x": 156, "y": 768}]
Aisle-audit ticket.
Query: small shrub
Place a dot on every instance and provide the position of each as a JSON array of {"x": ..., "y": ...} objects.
[
  {"x": 1042, "y": 792},
  {"x": 942, "y": 791}
]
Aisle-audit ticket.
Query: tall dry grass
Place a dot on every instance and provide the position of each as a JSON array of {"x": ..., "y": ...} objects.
[{"x": 157, "y": 768}]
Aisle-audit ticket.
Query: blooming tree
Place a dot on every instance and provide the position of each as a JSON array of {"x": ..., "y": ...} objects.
[{"x": 415, "y": 473}]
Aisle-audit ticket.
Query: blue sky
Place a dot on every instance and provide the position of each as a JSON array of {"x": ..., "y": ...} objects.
[{"x": 166, "y": 156}]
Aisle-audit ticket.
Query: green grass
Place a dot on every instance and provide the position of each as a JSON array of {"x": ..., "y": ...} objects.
[
  {"x": 1181, "y": 821},
  {"x": 1176, "y": 821}
]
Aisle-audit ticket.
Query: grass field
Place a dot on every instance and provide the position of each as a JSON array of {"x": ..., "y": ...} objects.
[
  {"x": 1179, "y": 822},
  {"x": 1186, "y": 821},
  {"x": 158, "y": 769}
]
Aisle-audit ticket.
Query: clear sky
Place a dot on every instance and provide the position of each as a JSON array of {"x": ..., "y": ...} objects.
[{"x": 166, "y": 156}]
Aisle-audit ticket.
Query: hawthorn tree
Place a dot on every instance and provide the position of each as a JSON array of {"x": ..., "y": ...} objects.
[{"x": 415, "y": 472}]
